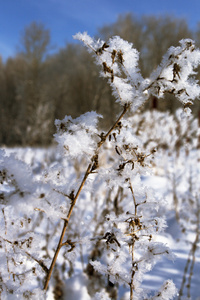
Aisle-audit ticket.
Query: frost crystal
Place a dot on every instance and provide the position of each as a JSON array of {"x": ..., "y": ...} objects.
[
  {"x": 119, "y": 61},
  {"x": 176, "y": 73},
  {"x": 77, "y": 137},
  {"x": 167, "y": 292}
]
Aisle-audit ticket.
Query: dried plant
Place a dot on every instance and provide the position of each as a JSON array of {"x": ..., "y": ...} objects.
[{"x": 123, "y": 216}]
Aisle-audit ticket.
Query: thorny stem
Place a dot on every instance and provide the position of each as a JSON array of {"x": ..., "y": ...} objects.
[{"x": 87, "y": 173}]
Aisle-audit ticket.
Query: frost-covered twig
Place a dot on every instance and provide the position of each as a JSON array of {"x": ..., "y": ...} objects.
[
  {"x": 119, "y": 62},
  {"x": 93, "y": 165}
]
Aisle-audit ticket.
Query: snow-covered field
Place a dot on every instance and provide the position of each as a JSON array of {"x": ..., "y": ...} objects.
[
  {"x": 181, "y": 243},
  {"x": 169, "y": 180}
]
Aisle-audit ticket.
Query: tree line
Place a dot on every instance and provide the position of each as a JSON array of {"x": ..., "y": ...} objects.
[{"x": 37, "y": 88}]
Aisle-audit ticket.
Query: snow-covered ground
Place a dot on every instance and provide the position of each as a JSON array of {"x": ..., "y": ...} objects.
[{"x": 184, "y": 270}]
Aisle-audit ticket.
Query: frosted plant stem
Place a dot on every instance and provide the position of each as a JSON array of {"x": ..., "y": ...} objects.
[
  {"x": 132, "y": 275},
  {"x": 131, "y": 284},
  {"x": 5, "y": 243},
  {"x": 66, "y": 221},
  {"x": 134, "y": 200},
  {"x": 126, "y": 107},
  {"x": 190, "y": 261},
  {"x": 194, "y": 248}
]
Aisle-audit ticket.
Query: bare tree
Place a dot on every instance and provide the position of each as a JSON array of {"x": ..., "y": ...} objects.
[{"x": 35, "y": 41}]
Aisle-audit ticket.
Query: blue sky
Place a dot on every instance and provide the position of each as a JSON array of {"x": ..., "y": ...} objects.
[{"x": 65, "y": 18}]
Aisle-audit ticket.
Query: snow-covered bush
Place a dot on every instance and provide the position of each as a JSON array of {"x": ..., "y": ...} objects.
[{"x": 45, "y": 224}]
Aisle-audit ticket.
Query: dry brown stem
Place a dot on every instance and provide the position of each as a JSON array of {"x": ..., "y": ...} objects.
[
  {"x": 87, "y": 173},
  {"x": 191, "y": 259}
]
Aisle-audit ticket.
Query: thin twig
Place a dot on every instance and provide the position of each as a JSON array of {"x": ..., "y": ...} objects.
[
  {"x": 87, "y": 173},
  {"x": 191, "y": 260},
  {"x": 133, "y": 272},
  {"x": 6, "y": 251},
  {"x": 40, "y": 262},
  {"x": 133, "y": 195}
]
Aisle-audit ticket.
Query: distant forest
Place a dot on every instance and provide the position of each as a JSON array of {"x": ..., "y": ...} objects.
[{"x": 36, "y": 88}]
